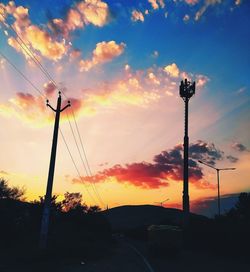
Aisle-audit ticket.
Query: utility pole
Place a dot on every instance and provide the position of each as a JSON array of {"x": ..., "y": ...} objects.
[
  {"x": 218, "y": 180},
  {"x": 187, "y": 90},
  {"x": 47, "y": 202}
]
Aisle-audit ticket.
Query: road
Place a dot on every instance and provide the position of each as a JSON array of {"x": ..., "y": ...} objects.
[{"x": 133, "y": 256}]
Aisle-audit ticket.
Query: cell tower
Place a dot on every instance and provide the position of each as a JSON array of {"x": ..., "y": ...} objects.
[{"x": 187, "y": 90}]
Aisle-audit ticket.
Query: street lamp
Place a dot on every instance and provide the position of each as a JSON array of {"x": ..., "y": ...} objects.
[
  {"x": 187, "y": 90},
  {"x": 218, "y": 179}
]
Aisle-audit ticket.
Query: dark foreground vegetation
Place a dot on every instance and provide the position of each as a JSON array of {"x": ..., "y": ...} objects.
[
  {"x": 77, "y": 232},
  {"x": 80, "y": 234}
]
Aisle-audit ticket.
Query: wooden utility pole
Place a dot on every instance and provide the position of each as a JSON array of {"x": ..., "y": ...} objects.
[{"x": 47, "y": 202}]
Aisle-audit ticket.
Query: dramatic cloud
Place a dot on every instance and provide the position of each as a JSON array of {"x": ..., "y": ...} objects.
[
  {"x": 82, "y": 13},
  {"x": 206, "y": 152},
  {"x": 44, "y": 42},
  {"x": 37, "y": 39},
  {"x": 166, "y": 166},
  {"x": 137, "y": 16},
  {"x": 132, "y": 89},
  {"x": 239, "y": 147},
  {"x": 104, "y": 52}
]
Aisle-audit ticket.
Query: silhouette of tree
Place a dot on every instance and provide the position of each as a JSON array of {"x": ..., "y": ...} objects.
[
  {"x": 242, "y": 207},
  {"x": 94, "y": 209},
  {"x": 73, "y": 202},
  {"x": 6, "y": 192},
  {"x": 56, "y": 205}
]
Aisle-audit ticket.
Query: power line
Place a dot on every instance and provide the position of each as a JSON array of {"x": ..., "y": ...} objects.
[
  {"x": 28, "y": 50},
  {"x": 15, "y": 67},
  {"x": 83, "y": 149},
  {"x": 75, "y": 165},
  {"x": 22, "y": 74},
  {"x": 41, "y": 67},
  {"x": 86, "y": 170}
]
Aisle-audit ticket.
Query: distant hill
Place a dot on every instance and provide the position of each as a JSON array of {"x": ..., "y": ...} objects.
[{"x": 131, "y": 217}]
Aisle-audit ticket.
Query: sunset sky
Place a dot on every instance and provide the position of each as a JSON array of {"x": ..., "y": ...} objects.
[{"x": 120, "y": 64}]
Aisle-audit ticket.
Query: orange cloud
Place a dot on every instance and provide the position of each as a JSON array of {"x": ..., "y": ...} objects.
[
  {"x": 104, "y": 52},
  {"x": 137, "y": 16},
  {"x": 42, "y": 42},
  {"x": 83, "y": 13},
  {"x": 36, "y": 38},
  {"x": 156, "y": 3},
  {"x": 132, "y": 89},
  {"x": 95, "y": 12},
  {"x": 172, "y": 70},
  {"x": 166, "y": 166}
]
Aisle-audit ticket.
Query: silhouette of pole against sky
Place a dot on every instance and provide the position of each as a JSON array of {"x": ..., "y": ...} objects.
[
  {"x": 218, "y": 179},
  {"x": 47, "y": 202},
  {"x": 187, "y": 90}
]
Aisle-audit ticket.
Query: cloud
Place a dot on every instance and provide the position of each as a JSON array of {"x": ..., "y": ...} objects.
[
  {"x": 186, "y": 18},
  {"x": 33, "y": 110},
  {"x": 41, "y": 41},
  {"x": 137, "y": 16},
  {"x": 206, "y": 152},
  {"x": 205, "y": 6},
  {"x": 157, "y": 3},
  {"x": 166, "y": 166},
  {"x": 94, "y": 12},
  {"x": 82, "y": 13},
  {"x": 2, "y": 63},
  {"x": 155, "y": 54},
  {"x": 201, "y": 80},
  {"x": 49, "y": 88},
  {"x": 239, "y": 147},
  {"x": 172, "y": 70},
  {"x": 192, "y": 2},
  {"x": 45, "y": 41},
  {"x": 241, "y": 90},
  {"x": 37, "y": 39},
  {"x": 2, "y": 172},
  {"x": 139, "y": 88},
  {"x": 104, "y": 52},
  {"x": 232, "y": 158},
  {"x": 75, "y": 54}
]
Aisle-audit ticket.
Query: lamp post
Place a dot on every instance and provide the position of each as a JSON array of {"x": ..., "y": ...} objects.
[
  {"x": 187, "y": 90},
  {"x": 218, "y": 179}
]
